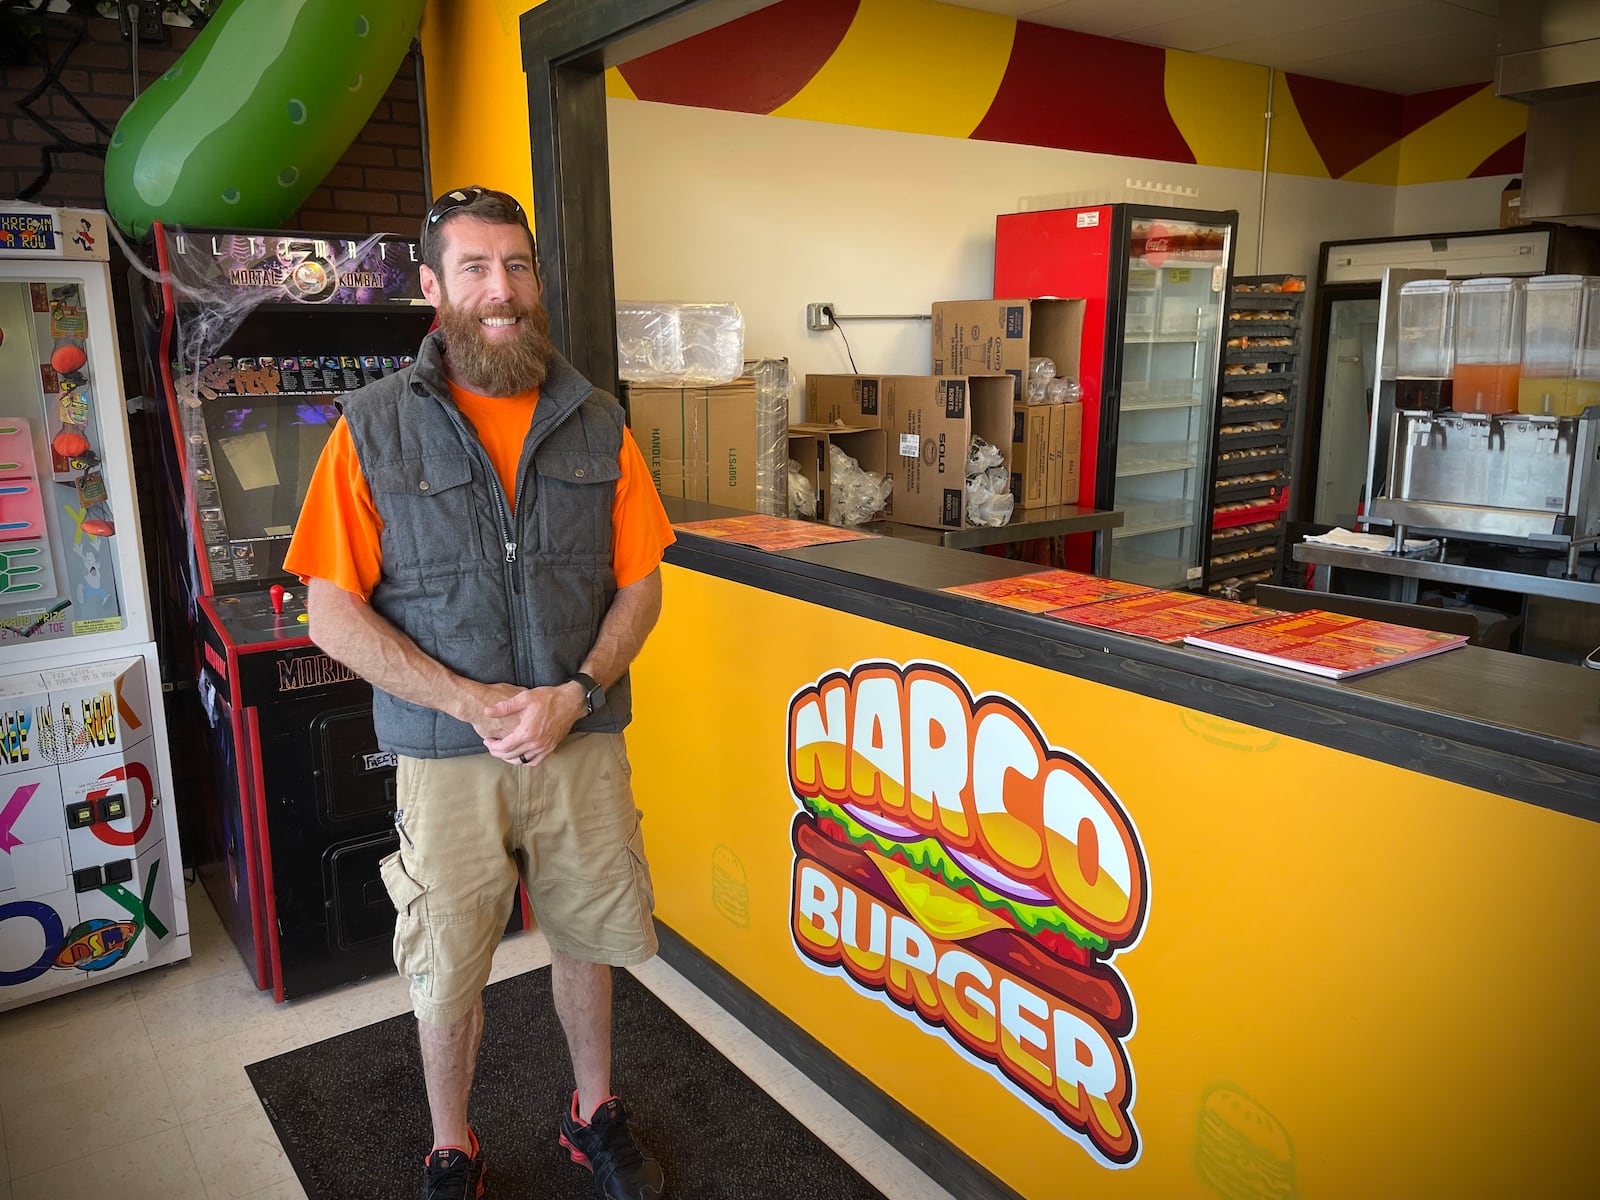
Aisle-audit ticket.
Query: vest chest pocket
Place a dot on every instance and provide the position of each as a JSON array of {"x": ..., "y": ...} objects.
[
  {"x": 575, "y": 493},
  {"x": 430, "y": 512}
]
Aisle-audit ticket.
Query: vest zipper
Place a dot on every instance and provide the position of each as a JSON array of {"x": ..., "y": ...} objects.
[{"x": 507, "y": 536}]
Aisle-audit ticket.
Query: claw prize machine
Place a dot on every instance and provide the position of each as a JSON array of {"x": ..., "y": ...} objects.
[{"x": 91, "y": 881}]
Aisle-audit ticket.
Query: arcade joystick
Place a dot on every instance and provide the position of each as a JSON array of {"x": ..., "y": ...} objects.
[{"x": 275, "y": 594}]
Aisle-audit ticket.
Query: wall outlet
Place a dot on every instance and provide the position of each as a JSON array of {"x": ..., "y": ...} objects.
[
  {"x": 819, "y": 316},
  {"x": 147, "y": 15}
]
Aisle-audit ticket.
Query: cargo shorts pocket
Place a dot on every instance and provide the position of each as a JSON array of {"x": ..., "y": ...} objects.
[{"x": 413, "y": 949}]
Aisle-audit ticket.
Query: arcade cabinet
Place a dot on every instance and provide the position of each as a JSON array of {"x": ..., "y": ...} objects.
[
  {"x": 91, "y": 880},
  {"x": 250, "y": 339}
]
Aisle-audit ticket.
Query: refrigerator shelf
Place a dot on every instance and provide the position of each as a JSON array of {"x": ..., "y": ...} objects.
[
  {"x": 1135, "y": 338},
  {"x": 1222, "y": 543},
  {"x": 1249, "y": 441},
  {"x": 1233, "y": 385},
  {"x": 1145, "y": 530},
  {"x": 1239, "y": 588},
  {"x": 1146, "y": 517},
  {"x": 1150, "y": 458},
  {"x": 1261, "y": 354},
  {"x": 1138, "y": 402},
  {"x": 1266, "y": 301},
  {"x": 1230, "y": 491},
  {"x": 1232, "y": 468}
]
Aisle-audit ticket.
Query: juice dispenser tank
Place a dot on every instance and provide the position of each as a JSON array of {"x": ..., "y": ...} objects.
[
  {"x": 1426, "y": 351},
  {"x": 1488, "y": 345},
  {"x": 1586, "y": 385},
  {"x": 1554, "y": 304}
]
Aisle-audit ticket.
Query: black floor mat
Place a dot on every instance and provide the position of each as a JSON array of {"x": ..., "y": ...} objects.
[{"x": 352, "y": 1114}]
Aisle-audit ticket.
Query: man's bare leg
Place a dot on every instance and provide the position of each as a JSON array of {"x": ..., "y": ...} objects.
[
  {"x": 449, "y": 1061},
  {"x": 583, "y": 1002}
]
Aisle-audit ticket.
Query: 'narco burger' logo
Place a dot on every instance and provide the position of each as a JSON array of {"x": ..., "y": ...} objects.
[{"x": 951, "y": 860}]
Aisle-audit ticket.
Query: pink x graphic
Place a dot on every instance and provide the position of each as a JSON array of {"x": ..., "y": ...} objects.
[{"x": 11, "y": 812}]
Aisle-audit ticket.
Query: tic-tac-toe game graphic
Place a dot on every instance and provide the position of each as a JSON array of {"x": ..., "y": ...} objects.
[
  {"x": 89, "y": 877},
  {"x": 90, "y": 882}
]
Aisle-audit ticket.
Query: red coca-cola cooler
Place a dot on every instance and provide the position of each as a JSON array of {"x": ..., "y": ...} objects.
[{"x": 1156, "y": 284}]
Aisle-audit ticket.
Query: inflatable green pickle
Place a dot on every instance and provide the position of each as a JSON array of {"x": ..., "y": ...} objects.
[{"x": 256, "y": 112}]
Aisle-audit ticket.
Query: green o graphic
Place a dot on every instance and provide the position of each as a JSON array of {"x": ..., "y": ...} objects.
[
  {"x": 287, "y": 176},
  {"x": 231, "y": 196},
  {"x": 363, "y": 26},
  {"x": 297, "y": 111}
]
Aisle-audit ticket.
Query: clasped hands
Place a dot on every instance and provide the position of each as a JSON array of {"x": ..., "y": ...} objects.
[{"x": 525, "y": 725}]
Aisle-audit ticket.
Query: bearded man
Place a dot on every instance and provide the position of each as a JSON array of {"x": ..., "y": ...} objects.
[{"x": 481, "y": 542}]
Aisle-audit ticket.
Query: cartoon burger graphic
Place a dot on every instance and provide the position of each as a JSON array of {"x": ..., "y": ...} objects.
[{"x": 948, "y": 857}]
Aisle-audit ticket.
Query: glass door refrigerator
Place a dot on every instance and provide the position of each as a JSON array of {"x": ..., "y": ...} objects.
[
  {"x": 91, "y": 880},
  {"x": 1156, "y": 285}
]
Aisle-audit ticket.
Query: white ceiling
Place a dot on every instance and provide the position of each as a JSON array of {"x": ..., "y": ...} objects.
[{"x": 1394, "y": 45}]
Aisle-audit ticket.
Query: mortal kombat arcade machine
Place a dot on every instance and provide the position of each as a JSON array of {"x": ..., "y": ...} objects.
[
  {"x": 91, "y": 881},
  {"x": 250, "y": 340}
]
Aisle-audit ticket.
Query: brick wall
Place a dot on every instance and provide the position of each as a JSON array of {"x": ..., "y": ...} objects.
[{"x": 377, "y": 187}]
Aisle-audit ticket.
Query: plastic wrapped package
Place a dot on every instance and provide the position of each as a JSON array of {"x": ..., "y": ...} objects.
[
  {"x": 855, "y": 496},
  {"x": 1063, "y": 390},
  {"x": 802, "y": 497},
  {"x": 679, "y": 344},
  {"x": 772, "y": 432},
  {"x": 989, "y": 498},
  {"x": 1041, "y": 371}
]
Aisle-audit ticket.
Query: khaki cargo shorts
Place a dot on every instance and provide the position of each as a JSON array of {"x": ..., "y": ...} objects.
[{"x": 469, "y": 825}]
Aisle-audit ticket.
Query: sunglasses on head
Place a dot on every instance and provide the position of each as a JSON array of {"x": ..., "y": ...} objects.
[{"x": 450, "y": 201}]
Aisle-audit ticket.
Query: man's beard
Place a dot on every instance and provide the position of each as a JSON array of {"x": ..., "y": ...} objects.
[{"x": 503, "y": 366}]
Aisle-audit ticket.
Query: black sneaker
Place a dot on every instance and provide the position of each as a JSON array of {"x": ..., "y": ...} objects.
[
  {"x": 605, "y": 1145},
  {"x": 452, "y": 1174}
]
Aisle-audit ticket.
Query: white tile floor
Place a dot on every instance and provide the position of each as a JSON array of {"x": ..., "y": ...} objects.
[{"x": 177, "y": 1119}]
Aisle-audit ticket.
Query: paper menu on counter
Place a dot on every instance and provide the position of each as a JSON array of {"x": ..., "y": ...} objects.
[
  {"x": 1328, "y": 644},
  {"x": 1163, "y": 616},
  {"x": 771, "y": 533},
  {"x": 1047, "y": 591}
]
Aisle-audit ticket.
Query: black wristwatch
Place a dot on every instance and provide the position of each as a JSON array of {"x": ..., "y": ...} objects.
[{"x": 594, "y": 696}]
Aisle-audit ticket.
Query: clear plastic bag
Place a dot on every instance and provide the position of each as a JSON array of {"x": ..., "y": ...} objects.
[
  {"x": 772, "y": 431},
  {"x": 802, "y": 494},
  {"x": 1063, "y": 390},
  {"x": 989, "y": 499},
  {"x": 855, "y": 496},
  {"x": 696, "y": 345},
  {"x": 1041, "y": 372}
]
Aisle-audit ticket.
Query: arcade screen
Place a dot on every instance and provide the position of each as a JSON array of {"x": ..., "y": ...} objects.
[
  {"x": 59, "y": 571},
  {"x": 263, "y": 452}
]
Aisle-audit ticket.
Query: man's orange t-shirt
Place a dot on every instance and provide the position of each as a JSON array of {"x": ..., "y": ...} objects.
[{"x": 338, "y": 535}]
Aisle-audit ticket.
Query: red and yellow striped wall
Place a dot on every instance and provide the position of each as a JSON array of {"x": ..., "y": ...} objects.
[{"x": 923, "y": 67}]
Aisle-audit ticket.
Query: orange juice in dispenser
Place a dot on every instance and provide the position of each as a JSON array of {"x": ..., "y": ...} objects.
[
  {"x": 1552, "y": 308},
  {"x": 1488, "y": 345}
]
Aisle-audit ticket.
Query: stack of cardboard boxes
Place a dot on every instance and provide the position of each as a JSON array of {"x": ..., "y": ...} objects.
[
  {"x": 701, "y": 443},
  {"x": 989, "y": 336}
]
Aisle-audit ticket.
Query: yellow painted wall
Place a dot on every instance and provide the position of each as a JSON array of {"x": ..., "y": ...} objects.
[{"x": 477, "y": 96}]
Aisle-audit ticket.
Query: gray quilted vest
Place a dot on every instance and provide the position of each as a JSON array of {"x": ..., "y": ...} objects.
[{"x": 499, "y": 593}]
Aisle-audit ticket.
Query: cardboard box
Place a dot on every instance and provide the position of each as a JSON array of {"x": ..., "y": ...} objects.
[
  {"x": 870, "y": 449},
  {"x": 934, "y": 419},
  {"x": 700, "y": 442},
  {"x": 1066, "y": 463},
  {"x": 1035, "y": 439},
  {"x": 992, "y": 337},
  {"x": 854, "y": 400},
  {"x": 1511, "y": 205},
  {"x": 808, "y": 446}
]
